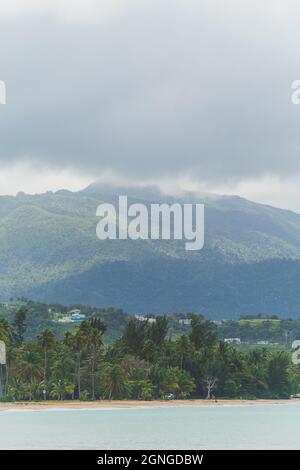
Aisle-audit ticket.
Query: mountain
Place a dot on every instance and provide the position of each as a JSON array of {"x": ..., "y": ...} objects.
[{"x": 250, "y": 262}]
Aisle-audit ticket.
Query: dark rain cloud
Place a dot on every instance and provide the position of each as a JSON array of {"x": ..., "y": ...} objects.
[{"x": 158, "y": 89}]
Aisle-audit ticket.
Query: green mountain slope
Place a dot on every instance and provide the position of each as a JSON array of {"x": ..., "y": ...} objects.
[{"x": 250, "y": 262}]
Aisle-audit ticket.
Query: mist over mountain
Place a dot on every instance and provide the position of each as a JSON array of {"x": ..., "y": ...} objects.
[{"x": 250, "y": 262}]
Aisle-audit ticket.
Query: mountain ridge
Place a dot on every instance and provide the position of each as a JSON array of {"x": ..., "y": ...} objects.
[{"x": 49, "y": 252}]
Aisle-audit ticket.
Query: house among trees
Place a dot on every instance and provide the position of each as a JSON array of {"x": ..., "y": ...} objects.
[
  {"x": 233, "y": 340},
  {"x": 185, "y": 321},
  {"x": 143, "y": 318},
  {"x": 75, "y": 311},
  {"x": 72, "y": 316},
  {"x": 77, "y": 317}
]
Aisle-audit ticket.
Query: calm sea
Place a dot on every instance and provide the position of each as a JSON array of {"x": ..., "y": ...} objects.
[{"x": 226, "y": 427}]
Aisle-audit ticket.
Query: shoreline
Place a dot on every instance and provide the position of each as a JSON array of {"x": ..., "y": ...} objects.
[{"x": 133, "y": 404}]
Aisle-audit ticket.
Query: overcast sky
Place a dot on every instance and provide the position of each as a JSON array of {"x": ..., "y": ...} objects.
[{"x": 184, "y": 93}]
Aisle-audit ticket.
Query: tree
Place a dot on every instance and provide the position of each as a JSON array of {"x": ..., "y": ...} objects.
[
  {"x": 142, "y": 389},
  {"x": 158, "y": 330},
  {"x": 97, "y": 324},
  {"x": 29, "y": 369},
  {"x": 60, "y": 388},
  {"x": 46, "y": 342},
  {"x": 92, "y": 330},
  {"x": 183, "y": 345},
  {"x": 19, "y": 326},
  {"x": 5, "y": 331},
  {"x": 278, "y": 379},
  {"x": 211, "y": 384},
  {"x": 76, "y": 343},
  {"x": 294, "y": 379},
  {"x": 186, "y": 384},
  {"x": 202, "y": 335},
  {"x": 5, "y": 335},
  {"x": 18, "y": 389},
  {"x": 115, "y": 381},
  {"x": 80, "y": 365},
  {"x": 131, "y": 364},
  {"x": 134, "y": 336},
  {"x": 148, "y": 350}
]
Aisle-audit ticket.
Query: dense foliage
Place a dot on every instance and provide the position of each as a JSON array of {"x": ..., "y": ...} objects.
[
  {"x": 250, "y": 329},
  {"x": 250, "y": 262},
  {"x": 144, "y": 363},
  {"x": 272, "y": 330}
]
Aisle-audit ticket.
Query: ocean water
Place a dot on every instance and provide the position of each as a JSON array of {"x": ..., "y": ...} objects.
[{"x": 182, "y": 427}]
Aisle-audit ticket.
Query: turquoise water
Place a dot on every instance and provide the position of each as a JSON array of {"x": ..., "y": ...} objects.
[{"x": 226, "y": 427}]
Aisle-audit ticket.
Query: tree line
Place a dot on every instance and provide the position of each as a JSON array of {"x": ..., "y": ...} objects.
[{"x": 145, "y": 363}]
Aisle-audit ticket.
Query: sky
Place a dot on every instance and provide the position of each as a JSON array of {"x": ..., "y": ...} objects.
[{"x": 185, "y": 94}]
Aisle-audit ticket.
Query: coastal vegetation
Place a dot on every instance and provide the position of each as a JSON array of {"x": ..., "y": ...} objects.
[
  {"x": 143, "y": 363},
  {"x": 271, "y": 331}
]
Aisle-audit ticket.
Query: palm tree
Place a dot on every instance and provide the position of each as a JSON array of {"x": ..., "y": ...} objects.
[
  {"x": 62, "y": 365},
  {"x": 29, "y": 369},
  {"x": 12, "y": 356},
  {"x": 183, "y": 345},
  {"x": 5, "y": 336},
  {"x": 46, "y": 342},
  {"x": 18, "y": 389},
  {"x": 115, "y": 382},
  {"x": 5, "y": 331},
  {"x": 202, "y": 334},
  {"x": 92, "y": 331},
  {"x": 60, "y": 388},
  {"x": 19, "y": 326},
  {"x": 96, "y": 342},
  {"x": 149, "y": 351},
  {"x": 158, "y": 330},
  {"x": 76, "y": 343},
  {"x": 97, "y": 324}
]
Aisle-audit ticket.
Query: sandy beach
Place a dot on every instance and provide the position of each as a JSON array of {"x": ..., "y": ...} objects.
[{"x": 102, "y": 404}]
